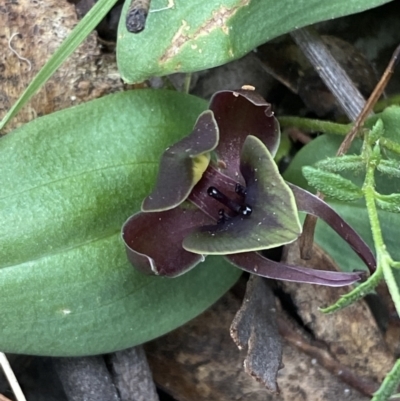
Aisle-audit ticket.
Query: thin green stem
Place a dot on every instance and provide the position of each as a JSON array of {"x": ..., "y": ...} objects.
[
  {"x": 186, "y": 82},
  {"x": 359, "y": 292},
  {"x": 311, "y": 125},
  {"x": 389, "y": 384},
  {"x": 384, "y": 259}
]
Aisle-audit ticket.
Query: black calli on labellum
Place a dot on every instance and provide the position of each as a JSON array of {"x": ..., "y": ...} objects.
[{"x": 219, "y": 192}]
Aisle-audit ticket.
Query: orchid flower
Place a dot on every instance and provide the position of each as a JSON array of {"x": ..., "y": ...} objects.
[{"x": 219, "y": 192}]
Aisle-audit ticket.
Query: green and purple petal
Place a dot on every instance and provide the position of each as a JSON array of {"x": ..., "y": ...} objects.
[
  {"x": 239, "y": 114},
  {"x": 182, "y": 165},
  {"x": 274, "y": 219}
]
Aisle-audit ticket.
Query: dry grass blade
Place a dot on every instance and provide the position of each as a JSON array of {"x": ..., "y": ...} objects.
[
  {"x": 375, "y": 95},
  {"x": 12, "y": 380}
]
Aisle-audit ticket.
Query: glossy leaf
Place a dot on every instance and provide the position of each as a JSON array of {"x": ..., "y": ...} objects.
[
  {"x": 68, "y": 181},
  {"x": 192, "y": 36},
  {"x": 273, "y": 220}
]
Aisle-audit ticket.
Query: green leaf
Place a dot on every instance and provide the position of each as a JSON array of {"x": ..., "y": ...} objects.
[
  {"x": 390, "y": 167},
  {"x": 74, "y": 39},
  {"x": 332, "y": 185},
  {"x": 376, "y": 132},
  {"x": 391, "y": 123},
  {"x": 192, "y": 36},
  {"x": 342, "y": 163},
  {"x": 390, "y": 203},
  {"x": 68, "y": 181}
]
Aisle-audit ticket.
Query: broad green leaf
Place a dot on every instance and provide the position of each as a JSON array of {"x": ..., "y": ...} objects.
[
  {"x": 195, "y": 35},
  {"x": 68, "y": 182},
  {"x": 355, "y": 213},
  {"x": 331, "y": 184}
]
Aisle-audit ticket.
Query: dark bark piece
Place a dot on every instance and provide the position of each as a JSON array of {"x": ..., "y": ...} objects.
[
  {"x": 200, "y": 362},
  {"x": 254, "y": 327},
  {"x": 132, "y": 375},
  {"x": 86, "y": 378}
]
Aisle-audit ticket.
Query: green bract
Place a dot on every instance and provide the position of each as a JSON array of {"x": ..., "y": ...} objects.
[
  {"x": 195, "y": 35},
  {"x": 68, "y": 181}
]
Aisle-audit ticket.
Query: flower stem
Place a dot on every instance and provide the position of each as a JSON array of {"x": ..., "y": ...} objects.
[
  {"x": 312, "y": 125},
  {"x": 383, "y": 257}
]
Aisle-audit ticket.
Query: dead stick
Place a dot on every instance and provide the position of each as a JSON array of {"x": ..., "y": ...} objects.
[{"x": 375, "y": 95}]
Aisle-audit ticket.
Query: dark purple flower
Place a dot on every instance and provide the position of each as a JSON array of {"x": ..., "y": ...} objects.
[{"x": 219, "y": 192}]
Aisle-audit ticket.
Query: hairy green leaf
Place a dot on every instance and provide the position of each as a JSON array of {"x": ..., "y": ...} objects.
[
  {"x": 390, "y": 203},
  {"x": 191, "y": 36},
  {"x": 390, "y": 167},
  {"x": 342, "y": 163},
  {"x": 68, "y": 182},
  {"x": 332, "y": 185}
]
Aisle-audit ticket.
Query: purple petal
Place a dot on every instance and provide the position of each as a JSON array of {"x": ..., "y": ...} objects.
[
  {"x": 239, "y": 114},
  {"x": 153, "y": 240},
  {"x": 257, "y": 264},
  {"x": 182, "y": 165},
  {"x": 309, "y": 203}
]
